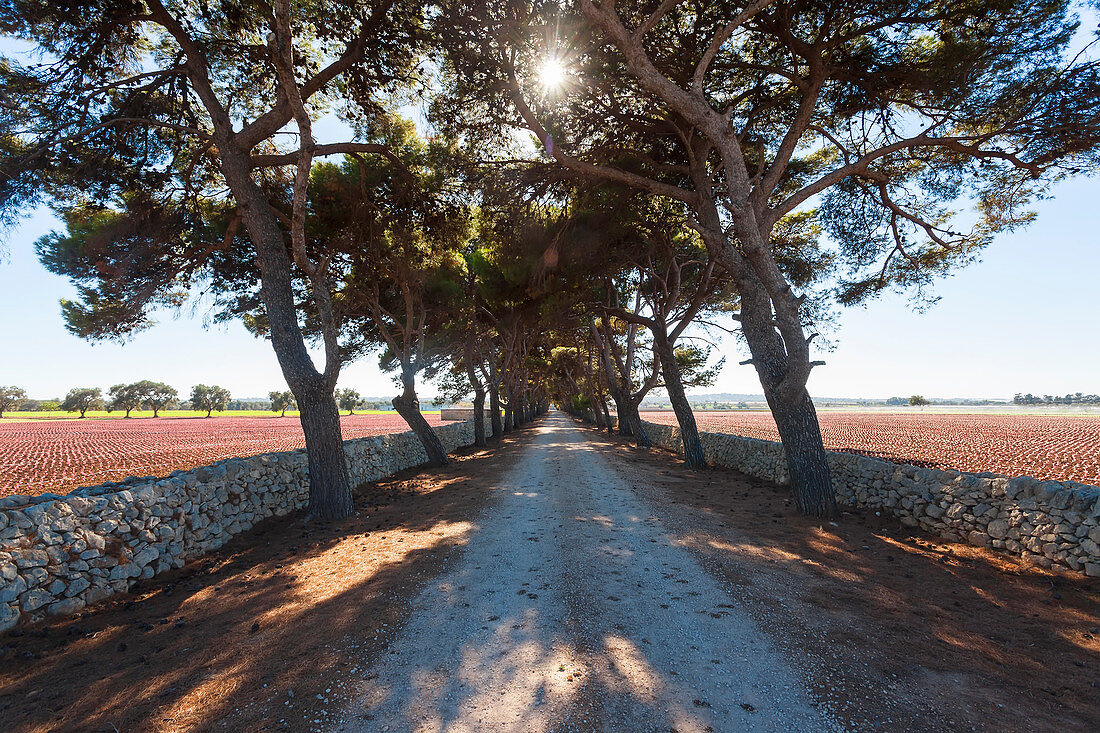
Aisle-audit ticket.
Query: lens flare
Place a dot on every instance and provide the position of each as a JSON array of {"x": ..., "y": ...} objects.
[{"x": 552, "y": 74}]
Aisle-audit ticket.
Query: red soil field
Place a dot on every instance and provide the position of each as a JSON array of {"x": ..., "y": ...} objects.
[
  {"x": 62, "y": 455},
  {"x": 1044, "y": 446}
]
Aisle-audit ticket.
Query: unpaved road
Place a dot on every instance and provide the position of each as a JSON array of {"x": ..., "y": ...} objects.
[{"x": 572, "y": 609}]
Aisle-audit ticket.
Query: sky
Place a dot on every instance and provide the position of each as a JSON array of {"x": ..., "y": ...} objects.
[{"x": 1026, "y": 318}]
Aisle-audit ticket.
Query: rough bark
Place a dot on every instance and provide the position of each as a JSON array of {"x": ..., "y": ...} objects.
[
  {"x": 794, "y": 413},
  {"x": 637, "y": 429},
  {"x": 621, "y": 413},
  {"x": 325, "y": 453},
  {"x": 479, "y": 418},
  {"x": 408, "y": 407},
  {"x": 494, "y": 412},
  {"x": 329, "y": 486},
  {"x": 674, "y": 385},
  {"x": 806, "y": 458},
  {"x": 479, "y": 393},
  {"x": 781, "y": 361}
]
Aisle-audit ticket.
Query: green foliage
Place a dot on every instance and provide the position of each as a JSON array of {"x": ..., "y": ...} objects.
[
  {"x": 112, "y": 132},
  {"x": 917, "y": 401},
  {"x": 146, "y": 393},
  {"x": 126, "y": 397},
  {"x": 11, "y": 398},
  {"x": 692, "y": 360},
  {"x": 209, "y": 398},
  {"x": 282, "y": 401},
  {"x": 348, "y": 399},
  {"x": 82, "y": 399},
  {"x": 888, "y": 126},
  {"x": 157, "y": 395}
]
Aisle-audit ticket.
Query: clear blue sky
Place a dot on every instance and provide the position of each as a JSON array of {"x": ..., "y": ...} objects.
[{"x": 1026, "y": 318}]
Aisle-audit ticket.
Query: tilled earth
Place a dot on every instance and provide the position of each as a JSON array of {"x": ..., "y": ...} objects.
[{"x": 565, "y": 581}]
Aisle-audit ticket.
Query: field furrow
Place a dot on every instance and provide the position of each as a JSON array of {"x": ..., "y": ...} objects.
[
  {"x": 1062, "y": 448},
  {"x": 61, "y": 455}
]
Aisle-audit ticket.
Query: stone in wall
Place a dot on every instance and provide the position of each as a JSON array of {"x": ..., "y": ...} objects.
[
  {"x": 59, "y": 553},
  {"x": 1046, "y": 522}
]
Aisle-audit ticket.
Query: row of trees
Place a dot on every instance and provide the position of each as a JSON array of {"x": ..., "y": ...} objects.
[
  {"x": 1077, "y": 398},
  {"x": 683, "y": 165},
  {"x": 913, "y": 401},
  {"x": 143, "y": 395},
  {"x": 157, "y": 396}
]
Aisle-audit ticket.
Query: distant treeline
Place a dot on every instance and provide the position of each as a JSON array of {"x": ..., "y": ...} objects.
[
  {"x": 157, "y": 396},
  {"x": 1076, "y": 398}
]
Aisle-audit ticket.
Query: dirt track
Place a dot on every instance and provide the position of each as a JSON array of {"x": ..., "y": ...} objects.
[{"x": 573, "y": 609}]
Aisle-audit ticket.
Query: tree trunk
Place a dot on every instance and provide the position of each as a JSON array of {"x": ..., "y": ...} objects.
[
  {"x": 792, "y": 408},
  {"x": 794, "y": 414},
  {"x": 325, "y": 452},
  {"x": 637, "y": 430},
  {"x": 606, "y": 413},
  {"x": 494, "y": 412},
  {"x": 807, "y": 460},
  {"x": 509, "y": 411},
  {"x": 597, "y": 413},
  {"x": 329, "y": 485},
  {"x": 674, "y": 385},
  {"x": 479, "y": 418},
  {"x": 622, "y": 414},
  {"x": 408, "y": 407}
]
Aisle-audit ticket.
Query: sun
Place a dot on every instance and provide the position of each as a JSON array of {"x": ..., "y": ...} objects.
[{"x": 552, "y": 74}]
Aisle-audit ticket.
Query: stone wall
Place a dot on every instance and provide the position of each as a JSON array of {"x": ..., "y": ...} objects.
[
  {"x": 60, "y": 553},
  {"x": 1045, "y": 522}
]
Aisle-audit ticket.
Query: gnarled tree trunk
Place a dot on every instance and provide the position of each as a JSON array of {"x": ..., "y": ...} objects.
[
  {"x": 774, "y": 357},
  {"x": 637, "y": 429},
  {"x": 329, "y": 484},
  {"x": 622, "y": 413},
  {"x": 479, "y": 418},
  {"x": 325, "y": 453},
  {"x": 408, "y": 407},
  {"x": 494, "y": 411},
  {"x": 794, "y": 413},
  {"x": 674, "y": 385}
]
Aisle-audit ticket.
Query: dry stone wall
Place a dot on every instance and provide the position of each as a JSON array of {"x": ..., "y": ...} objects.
[
  {"x": 61, "y": 553},
  {"x": 1046, "y": 522}
]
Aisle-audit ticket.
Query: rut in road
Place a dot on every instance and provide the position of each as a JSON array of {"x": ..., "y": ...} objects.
[{"x": 572, "y": 609}]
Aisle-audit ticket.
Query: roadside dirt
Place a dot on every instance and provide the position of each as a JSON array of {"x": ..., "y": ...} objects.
[
  {"x": 257, "y": 636},
  {"x": 894, "y": 629}
]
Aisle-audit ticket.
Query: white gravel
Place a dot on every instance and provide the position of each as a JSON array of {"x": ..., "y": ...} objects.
[{"x": 571, "y": 609}]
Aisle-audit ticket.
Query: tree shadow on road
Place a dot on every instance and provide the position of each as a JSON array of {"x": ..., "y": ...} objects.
[
  {"x": 258, "y": 635},
  {"x": 892, "y": 623}
]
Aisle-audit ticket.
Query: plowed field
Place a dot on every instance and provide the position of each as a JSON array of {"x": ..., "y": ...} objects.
[
  {"x": 61, "y": 455},
  {"x": 1063, "y": 448}
]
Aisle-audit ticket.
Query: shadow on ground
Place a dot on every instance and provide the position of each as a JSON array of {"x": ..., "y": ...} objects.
[
  {"x": 258, "y": 635},
  {"x": 897, "y": 629}
]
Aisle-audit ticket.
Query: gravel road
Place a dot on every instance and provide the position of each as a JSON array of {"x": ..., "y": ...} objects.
[{"x": 572, "y": 610}]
